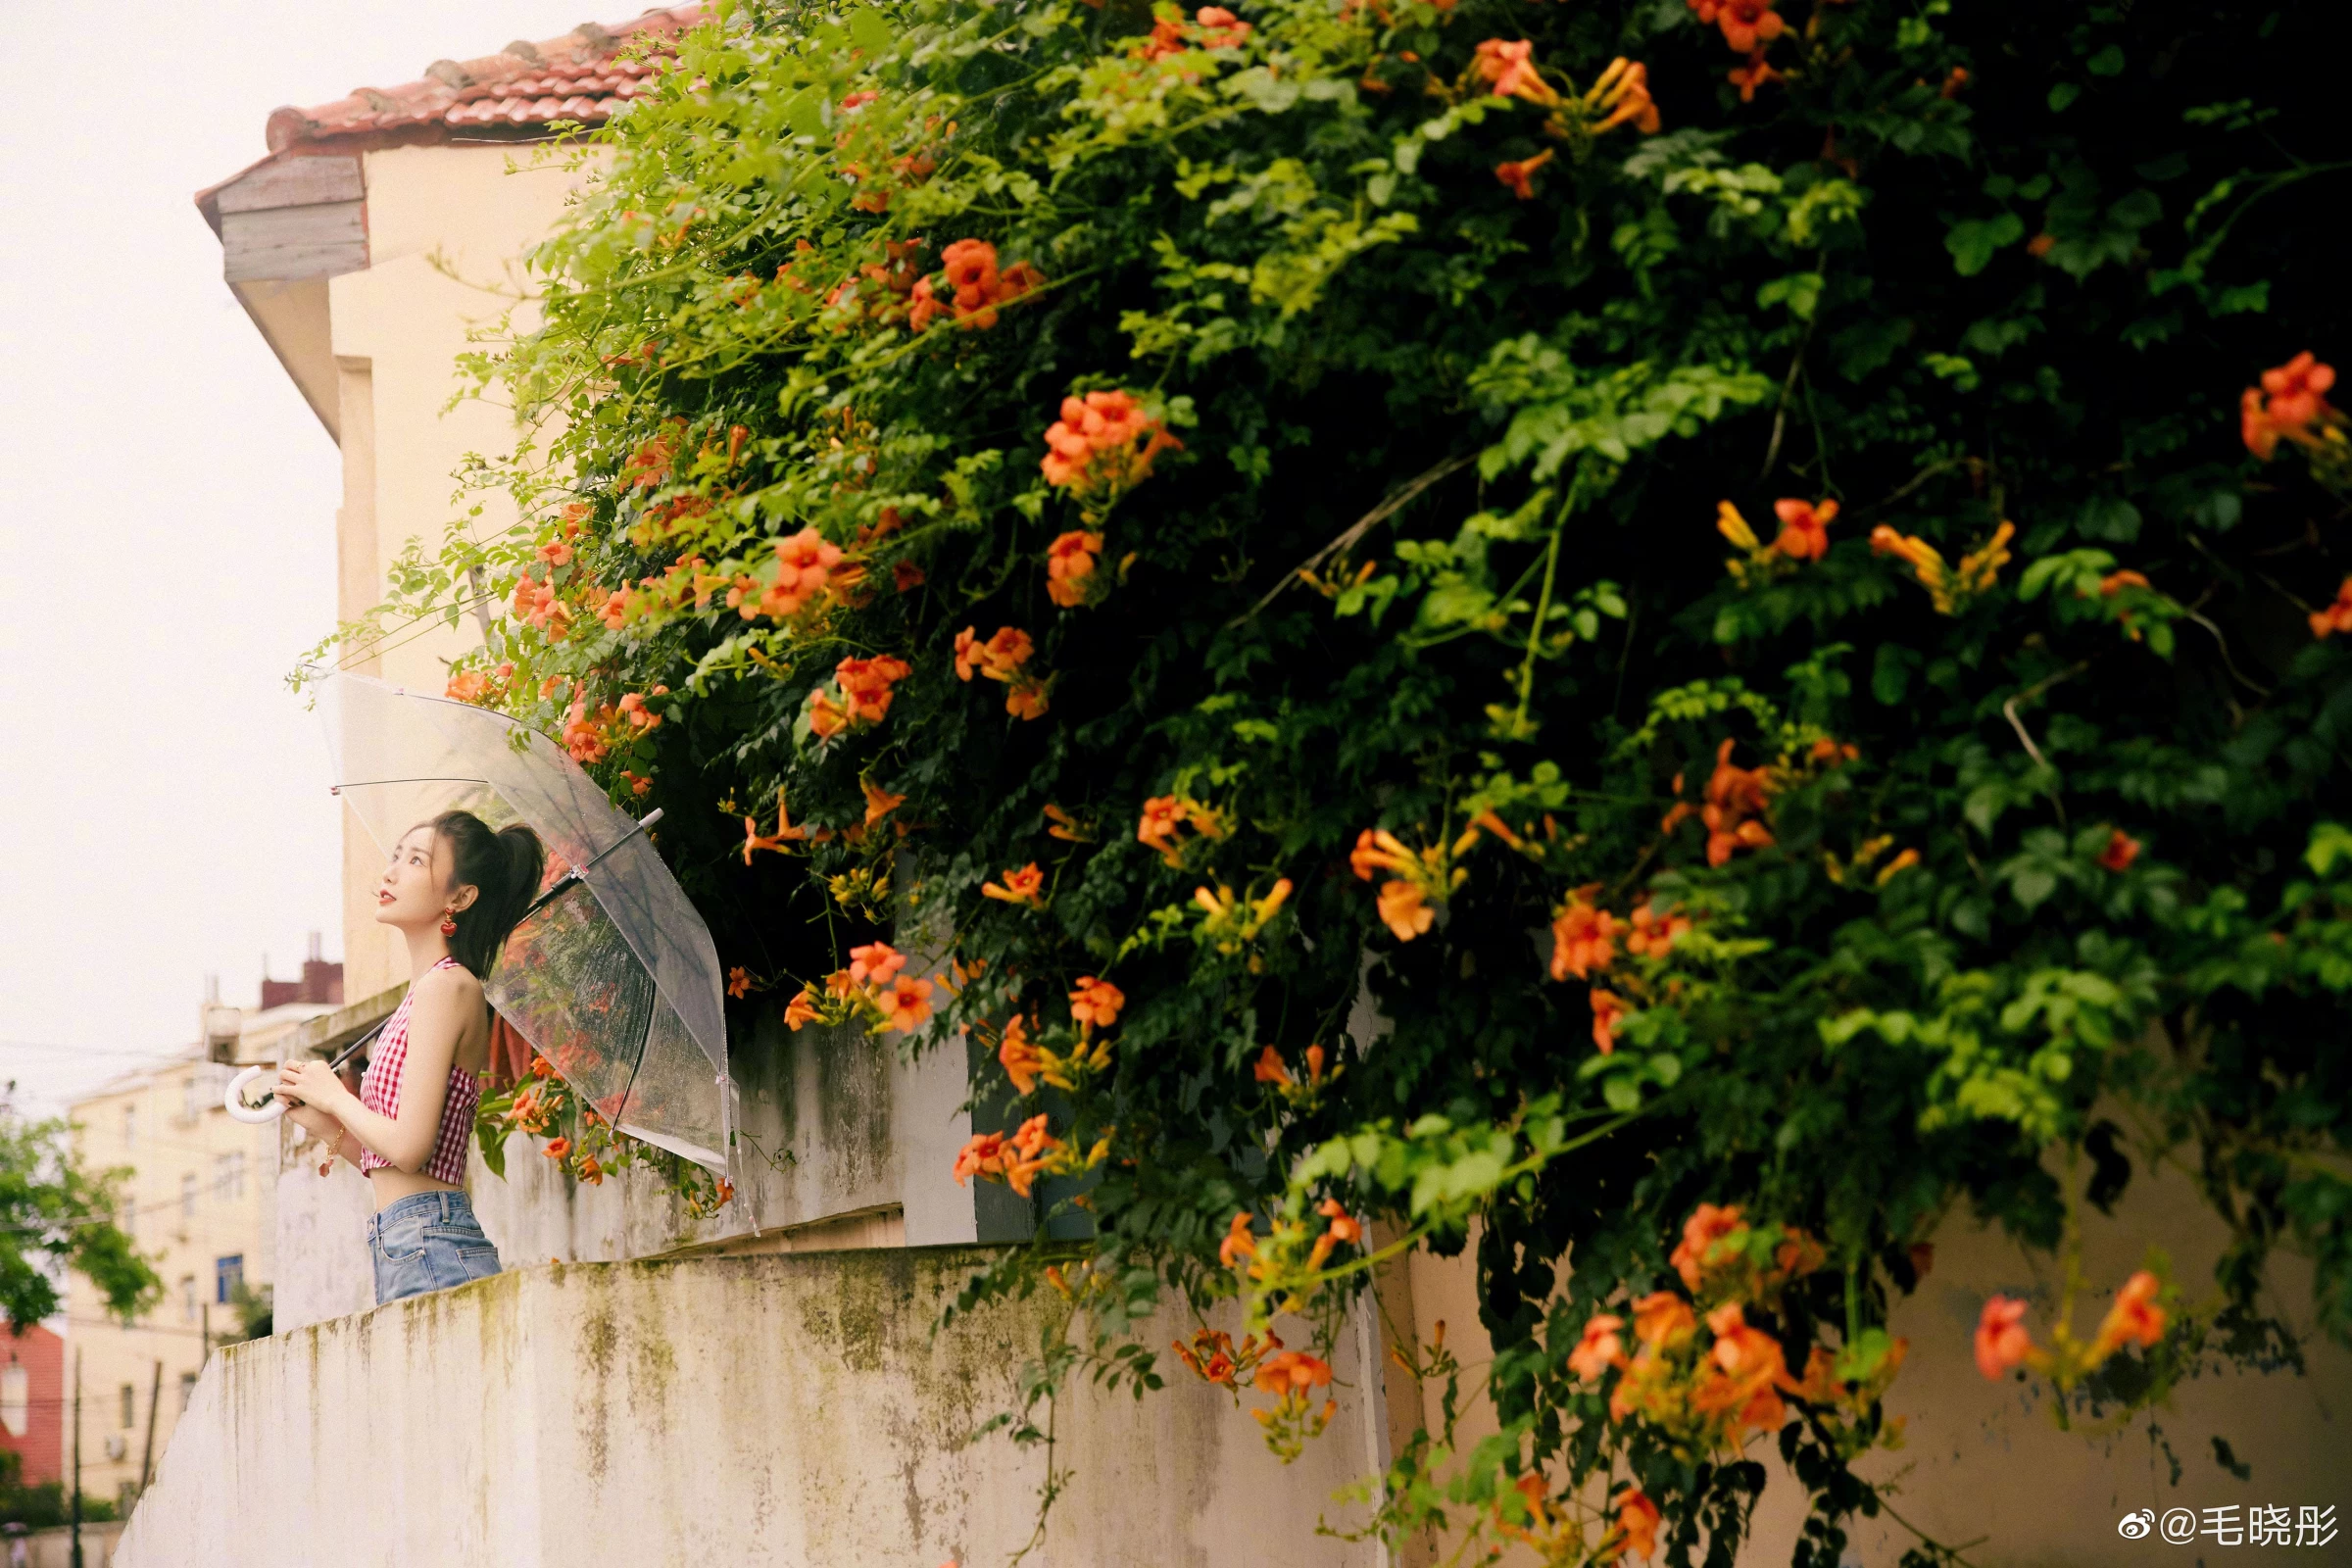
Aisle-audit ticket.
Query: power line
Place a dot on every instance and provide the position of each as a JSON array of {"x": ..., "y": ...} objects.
[
  {"x": 174, "y": 1054},
  {"x": 124, "y": 1219},
  {"x": 137, "y": 1327}
]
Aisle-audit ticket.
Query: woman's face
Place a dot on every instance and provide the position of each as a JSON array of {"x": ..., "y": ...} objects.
[{"x": 415, "y": 890}]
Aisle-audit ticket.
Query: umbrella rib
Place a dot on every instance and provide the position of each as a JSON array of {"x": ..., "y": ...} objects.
[
  {"x": 630, "y": 1087},
  {"x": 436, "y": 778},
  {"x": 565, "y": 883}
]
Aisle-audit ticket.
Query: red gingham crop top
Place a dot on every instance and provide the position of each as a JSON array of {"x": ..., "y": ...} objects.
[{"x": 379, "y": 1092}]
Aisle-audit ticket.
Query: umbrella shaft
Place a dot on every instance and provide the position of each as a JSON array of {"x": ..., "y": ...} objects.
[{"x": 564, "y": 885}]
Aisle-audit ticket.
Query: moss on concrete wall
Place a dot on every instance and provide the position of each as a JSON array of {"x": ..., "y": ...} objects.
[{"x": 790, "y": 1409}]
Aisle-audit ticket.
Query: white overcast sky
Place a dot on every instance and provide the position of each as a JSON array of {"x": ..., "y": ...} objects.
[{"x": 166, "y": 517}]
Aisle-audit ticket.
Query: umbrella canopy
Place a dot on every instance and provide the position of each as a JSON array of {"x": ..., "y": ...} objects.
[{"x": 615, "y": 981}]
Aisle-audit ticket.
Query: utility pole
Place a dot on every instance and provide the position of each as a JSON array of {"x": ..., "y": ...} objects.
[
  {"x": 77, "y": 1459},
  {"x": 155, "y": 1395}
]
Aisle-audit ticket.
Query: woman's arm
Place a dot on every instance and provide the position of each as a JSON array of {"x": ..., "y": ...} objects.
[
  {"x": 445, "y": 1001},
  {"x": 330, "y": 1133}
]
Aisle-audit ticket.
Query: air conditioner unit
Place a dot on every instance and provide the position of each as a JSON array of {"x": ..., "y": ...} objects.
[{"x": 117, "y": 1446}]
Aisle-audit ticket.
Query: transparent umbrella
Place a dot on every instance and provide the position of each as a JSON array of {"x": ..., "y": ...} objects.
[{"x": 612, "y": 976}]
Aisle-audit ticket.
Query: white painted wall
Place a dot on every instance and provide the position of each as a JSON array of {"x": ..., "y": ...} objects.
[{"x": 794, "y": 1410}]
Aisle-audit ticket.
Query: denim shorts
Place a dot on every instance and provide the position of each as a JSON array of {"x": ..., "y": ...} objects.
[{"x": 427, "y": 1241}]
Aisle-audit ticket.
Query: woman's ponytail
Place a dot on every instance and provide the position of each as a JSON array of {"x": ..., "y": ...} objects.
[{"x": 503, "y": 869}]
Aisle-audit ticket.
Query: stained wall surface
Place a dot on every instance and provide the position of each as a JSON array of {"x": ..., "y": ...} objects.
[
  {"x": 1984, "y": 1461},
  {"x": 787, "y": 1410}
]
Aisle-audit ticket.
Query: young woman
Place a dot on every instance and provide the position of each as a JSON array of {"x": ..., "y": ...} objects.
[{"x": 454, "y": 888}]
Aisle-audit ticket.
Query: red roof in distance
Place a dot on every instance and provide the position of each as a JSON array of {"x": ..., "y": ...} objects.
[{"x": 522, "y": 88}]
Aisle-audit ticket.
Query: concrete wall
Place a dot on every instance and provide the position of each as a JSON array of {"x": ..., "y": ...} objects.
[
  {"x": 1985, "y": 1459},
  {"x": 788, "y": 1410},
  {"x": 838, "y": 1127}
]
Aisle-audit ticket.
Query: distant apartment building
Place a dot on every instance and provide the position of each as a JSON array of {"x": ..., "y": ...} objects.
[{"x": 199, "y": 1203}]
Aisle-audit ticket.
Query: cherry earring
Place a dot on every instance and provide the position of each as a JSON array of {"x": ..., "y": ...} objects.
[{"x": 449, "y": 922}]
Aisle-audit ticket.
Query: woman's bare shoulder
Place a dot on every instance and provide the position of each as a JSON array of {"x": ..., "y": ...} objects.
[{"x": 452, "y": 984}]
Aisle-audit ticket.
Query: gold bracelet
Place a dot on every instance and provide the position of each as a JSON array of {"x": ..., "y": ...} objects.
[{"x": 327, "y": 1164}]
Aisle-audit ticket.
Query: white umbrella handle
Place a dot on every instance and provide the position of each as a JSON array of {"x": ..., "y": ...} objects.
[{"x": 233, "y": 1102}]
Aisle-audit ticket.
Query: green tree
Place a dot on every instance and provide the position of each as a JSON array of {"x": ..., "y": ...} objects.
[{"x": 54, "y": 1214}]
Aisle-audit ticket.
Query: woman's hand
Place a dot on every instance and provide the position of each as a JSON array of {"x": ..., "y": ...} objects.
[
  {"x": 313, "y": 1122},
  {"x": 310, "y": 1083}
]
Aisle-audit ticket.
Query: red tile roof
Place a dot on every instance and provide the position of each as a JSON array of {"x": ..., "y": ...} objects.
[{"x": 521, "y": 88}]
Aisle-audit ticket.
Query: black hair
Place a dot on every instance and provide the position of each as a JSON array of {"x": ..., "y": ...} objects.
[{"x": 503, "y": 868}]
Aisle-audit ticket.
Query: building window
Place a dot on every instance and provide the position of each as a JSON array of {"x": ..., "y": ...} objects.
[
  {"x": 187, "y": 1297},
  {"x": 130, "y": 1126},
  {"x": 16, "y": 1402},
  {"x": 187, "y": 1391},
  {"x": 187, "y": 1194},
  {"x": 130, "y": 1224},
  {"x": 228, "y": 1177},
  {"x": 227, "y": 1274},
  {"x": 130, "y": 1408},
  {"x": 191, "y": 1097}
]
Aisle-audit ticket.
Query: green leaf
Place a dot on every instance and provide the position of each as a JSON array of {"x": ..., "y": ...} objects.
[
  {"x": 804, "y": 112},
  {"x": 1890, "y": 673},
  {"x": 1973, "y": 243},
  {"x": 2109, "y": 517},
  {"x": 2331, "y": 844},
  {"x": 1843, "y": 1028},
  {"x": 1956, "y": 369},
  {"x": 2217, "y": 509},
  {"x": 1869, "y": 345},
  {"x": 2243, "y": 300},
  {"x": 493, "y": 1141},
  {"x": 2033, "y": 885},
  {"x": 870, "y": 31},
  {"x": 1799, "y": 291}
]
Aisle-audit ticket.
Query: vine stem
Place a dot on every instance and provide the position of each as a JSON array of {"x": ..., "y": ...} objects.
[
  {"x": 2009, "y": 712},
  {"x": 1389, "y": 508},
  {"x": 1535, "y": 633},
  {"x": 1051, "y": 1491},
  {"x": 1952, "y": 1554},
  {"x": 1796, "y": 366}
]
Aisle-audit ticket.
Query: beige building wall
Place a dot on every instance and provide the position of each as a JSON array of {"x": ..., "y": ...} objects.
[
  {"x": 448, "y": 229},
  {"x": 870, "y": 1138},
  {"x": 202, "y": 1190}
]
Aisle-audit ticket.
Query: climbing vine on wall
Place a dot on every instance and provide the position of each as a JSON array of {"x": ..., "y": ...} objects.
[{"x": 1702, "y": 633}]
